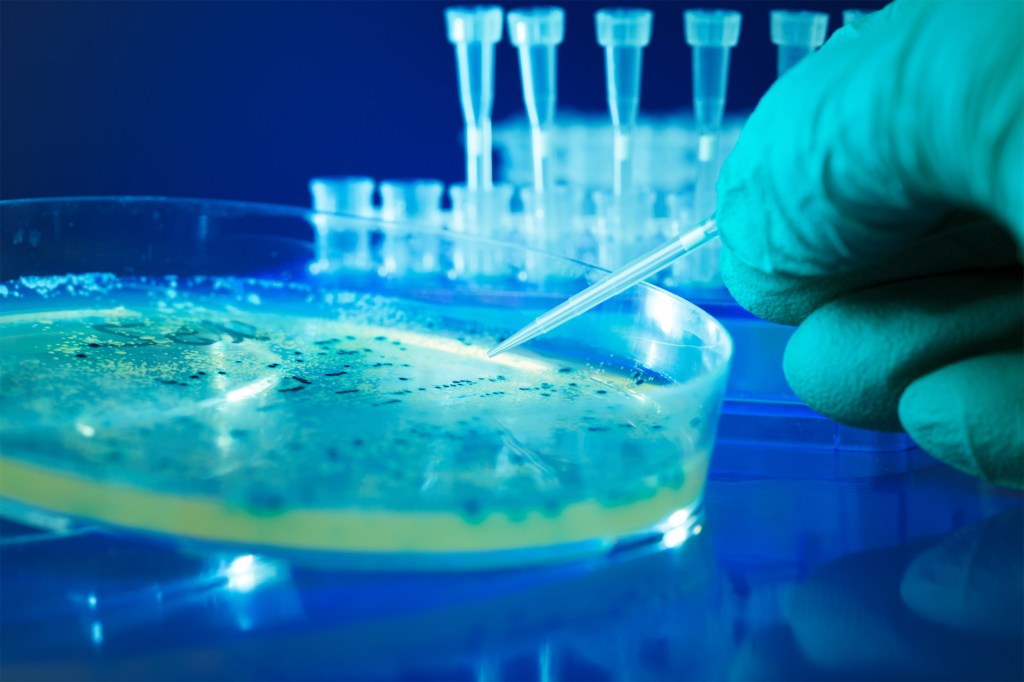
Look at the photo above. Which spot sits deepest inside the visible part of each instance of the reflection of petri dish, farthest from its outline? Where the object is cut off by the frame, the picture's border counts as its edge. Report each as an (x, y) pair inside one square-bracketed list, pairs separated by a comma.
[(346, 414)]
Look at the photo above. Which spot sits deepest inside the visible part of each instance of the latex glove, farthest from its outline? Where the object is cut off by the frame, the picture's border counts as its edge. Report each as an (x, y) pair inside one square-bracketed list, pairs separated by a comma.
[(876, 198)]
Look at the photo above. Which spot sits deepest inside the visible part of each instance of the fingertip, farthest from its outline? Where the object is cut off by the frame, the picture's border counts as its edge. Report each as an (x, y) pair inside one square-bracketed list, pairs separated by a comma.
[(840, 365), (969, 415)]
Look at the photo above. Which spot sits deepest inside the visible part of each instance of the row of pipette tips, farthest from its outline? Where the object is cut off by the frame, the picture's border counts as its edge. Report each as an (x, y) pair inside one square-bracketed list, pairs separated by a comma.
[(623, 33)]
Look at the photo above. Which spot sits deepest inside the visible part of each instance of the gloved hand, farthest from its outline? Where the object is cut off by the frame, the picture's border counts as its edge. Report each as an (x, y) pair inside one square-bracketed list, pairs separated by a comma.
[(876, 199)]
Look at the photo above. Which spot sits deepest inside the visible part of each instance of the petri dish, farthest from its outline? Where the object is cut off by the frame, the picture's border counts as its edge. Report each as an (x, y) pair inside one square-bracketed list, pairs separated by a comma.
[(249, 376)]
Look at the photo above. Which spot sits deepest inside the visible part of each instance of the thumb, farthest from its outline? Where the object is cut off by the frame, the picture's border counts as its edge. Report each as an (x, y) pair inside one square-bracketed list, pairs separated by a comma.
[(863, 146)]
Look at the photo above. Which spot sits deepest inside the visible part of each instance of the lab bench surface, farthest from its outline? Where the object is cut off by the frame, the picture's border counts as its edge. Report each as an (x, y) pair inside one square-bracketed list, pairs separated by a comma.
[(898, 568)]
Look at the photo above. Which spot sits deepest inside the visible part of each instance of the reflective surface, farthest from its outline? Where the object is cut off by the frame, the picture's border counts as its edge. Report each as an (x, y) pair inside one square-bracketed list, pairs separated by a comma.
[(908, 576)]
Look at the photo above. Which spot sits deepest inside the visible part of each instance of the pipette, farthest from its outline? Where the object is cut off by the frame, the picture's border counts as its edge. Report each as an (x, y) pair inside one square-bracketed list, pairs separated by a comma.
[(474, 31), (623, 33), (632, 273), (711, 34), (797, 34), (536, 32)]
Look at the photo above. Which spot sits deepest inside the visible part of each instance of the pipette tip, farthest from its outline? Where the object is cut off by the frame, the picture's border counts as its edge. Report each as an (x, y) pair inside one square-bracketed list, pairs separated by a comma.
[(508, 344)]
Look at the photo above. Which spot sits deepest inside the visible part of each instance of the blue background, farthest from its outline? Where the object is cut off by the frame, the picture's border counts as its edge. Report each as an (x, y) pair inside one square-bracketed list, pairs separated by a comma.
[(248, 100)]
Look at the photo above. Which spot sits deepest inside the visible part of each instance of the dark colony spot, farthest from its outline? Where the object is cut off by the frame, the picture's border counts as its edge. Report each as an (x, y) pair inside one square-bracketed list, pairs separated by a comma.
[(348, 390), (273, 366), (262, 500), (222, 373), (472, 508), (597, 428), (290, 390), (299, 379), (600, 391), (193, 376), (380, 338), (94, 345), (80, 355), (334, 374), (564, 370), (387, 402), (403, 378)]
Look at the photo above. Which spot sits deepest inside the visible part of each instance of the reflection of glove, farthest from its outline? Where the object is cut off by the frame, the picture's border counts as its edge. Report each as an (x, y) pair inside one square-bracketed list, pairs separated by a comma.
[(876, 198), (952, 609)]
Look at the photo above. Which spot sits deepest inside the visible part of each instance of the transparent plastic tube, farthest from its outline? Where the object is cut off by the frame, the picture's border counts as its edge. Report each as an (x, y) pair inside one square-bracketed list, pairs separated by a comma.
[(536, 33), (411, 201), (350, 195), (711, 35), (474, 31), (797, 34), (623, 33), (345, 195), (614, 283)]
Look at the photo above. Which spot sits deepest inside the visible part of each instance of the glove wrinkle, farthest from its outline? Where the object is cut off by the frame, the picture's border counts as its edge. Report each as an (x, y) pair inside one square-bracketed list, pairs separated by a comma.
[(863, 146), (965, 243)]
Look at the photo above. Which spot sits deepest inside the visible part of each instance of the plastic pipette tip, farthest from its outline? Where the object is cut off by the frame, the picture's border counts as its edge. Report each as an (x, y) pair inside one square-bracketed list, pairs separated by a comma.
[(536, 26), (511, 342), (479, 24), (536, 32), (799, 28), (621, 27), (628, 275), (712, 27)]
